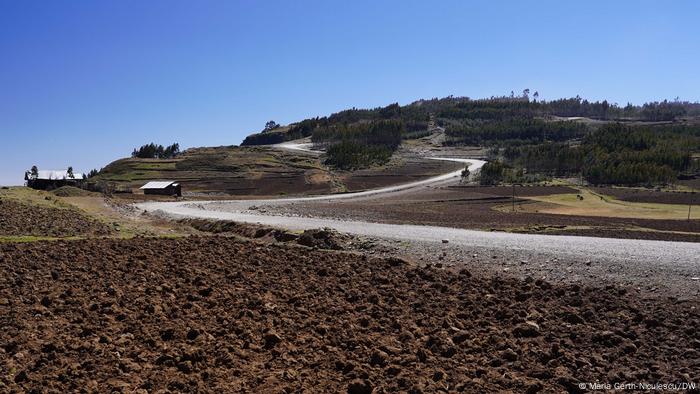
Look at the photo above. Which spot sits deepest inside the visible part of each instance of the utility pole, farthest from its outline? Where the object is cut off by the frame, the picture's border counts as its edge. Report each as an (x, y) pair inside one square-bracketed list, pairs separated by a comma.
[(689, 205)]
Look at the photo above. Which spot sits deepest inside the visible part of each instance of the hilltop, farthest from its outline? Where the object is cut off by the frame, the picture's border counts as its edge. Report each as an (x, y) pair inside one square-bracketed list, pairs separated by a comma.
[(454, 113), (528, 139)]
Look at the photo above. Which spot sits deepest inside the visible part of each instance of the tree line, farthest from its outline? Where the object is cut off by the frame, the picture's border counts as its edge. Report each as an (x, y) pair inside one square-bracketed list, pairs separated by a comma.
[(359, 145), (620, 154), (612, 154), (512, 130), (459, 113), (153, 151)]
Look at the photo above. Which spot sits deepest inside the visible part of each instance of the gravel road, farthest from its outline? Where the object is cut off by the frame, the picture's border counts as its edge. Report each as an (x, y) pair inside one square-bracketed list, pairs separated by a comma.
[(631, 260), (672, 254)]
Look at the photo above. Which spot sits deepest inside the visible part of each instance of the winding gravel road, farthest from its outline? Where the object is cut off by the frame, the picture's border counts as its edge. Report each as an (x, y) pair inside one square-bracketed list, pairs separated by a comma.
[(675, 256)]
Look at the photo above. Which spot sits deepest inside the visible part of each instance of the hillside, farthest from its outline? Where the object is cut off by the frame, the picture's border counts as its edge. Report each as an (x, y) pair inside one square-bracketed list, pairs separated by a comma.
[(455, 113), (528, 139), (263, 171), (232, 170)]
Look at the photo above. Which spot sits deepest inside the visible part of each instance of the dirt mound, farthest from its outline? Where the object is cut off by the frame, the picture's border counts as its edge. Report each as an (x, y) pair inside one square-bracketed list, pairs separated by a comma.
[(71, 191), (316, 238), (17, 219), (214, 314), (325, 238)]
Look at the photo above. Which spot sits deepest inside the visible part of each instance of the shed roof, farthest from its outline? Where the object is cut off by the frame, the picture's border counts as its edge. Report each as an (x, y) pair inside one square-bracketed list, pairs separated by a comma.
[(58, 175), (158, 185)]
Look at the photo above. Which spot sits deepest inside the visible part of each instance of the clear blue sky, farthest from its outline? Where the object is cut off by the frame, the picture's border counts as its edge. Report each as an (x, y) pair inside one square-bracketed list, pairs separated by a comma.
[(84, 82)]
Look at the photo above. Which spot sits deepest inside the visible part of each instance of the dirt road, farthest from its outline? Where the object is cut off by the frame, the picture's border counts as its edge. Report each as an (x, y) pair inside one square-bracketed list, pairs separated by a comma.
[(678, 261), (673, 254)]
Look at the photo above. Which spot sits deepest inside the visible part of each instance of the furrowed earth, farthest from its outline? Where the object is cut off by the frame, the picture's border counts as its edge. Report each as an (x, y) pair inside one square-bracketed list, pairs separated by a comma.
[(222, 314), (21, 219)]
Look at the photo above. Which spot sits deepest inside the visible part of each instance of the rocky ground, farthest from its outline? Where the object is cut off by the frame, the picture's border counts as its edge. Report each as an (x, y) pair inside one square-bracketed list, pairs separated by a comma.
[(220, 314), (22, 219)]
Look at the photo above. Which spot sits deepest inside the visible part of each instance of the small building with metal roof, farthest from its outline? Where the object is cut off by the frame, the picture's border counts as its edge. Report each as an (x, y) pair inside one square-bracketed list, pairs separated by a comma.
[(164, 188), (53, 179)]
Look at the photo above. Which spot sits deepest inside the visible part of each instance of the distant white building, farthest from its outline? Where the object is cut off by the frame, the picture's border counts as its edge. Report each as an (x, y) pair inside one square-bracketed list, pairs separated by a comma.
[(52, 179), (59, 175)]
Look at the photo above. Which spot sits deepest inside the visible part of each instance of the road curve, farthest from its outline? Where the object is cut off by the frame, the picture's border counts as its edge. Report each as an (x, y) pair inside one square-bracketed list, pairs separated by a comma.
[(659, 253)]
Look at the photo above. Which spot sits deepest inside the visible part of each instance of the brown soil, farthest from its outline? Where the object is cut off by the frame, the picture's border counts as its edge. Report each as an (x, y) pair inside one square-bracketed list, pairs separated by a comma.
[(316, 238), (18, 218), (507, 191), (472, 208), (214, 314), (650, 196)]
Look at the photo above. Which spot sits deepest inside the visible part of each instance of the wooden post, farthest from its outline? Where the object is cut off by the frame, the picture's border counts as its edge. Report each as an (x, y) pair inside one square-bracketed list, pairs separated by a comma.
[(514, 197)]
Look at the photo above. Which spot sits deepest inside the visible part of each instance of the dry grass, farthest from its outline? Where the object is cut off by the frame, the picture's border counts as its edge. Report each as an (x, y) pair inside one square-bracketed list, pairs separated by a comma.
[(33, 197), (594, 204), (93, 206)]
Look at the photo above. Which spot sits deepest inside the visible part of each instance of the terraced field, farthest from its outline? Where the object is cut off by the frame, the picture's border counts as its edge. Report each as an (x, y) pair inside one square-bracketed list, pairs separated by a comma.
[(232, 170), (263, 171)]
